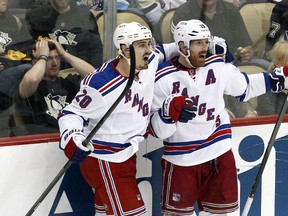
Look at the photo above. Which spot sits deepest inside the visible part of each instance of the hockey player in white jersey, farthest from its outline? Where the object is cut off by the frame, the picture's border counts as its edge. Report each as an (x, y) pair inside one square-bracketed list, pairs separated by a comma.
[(111, 167), (197, 163)]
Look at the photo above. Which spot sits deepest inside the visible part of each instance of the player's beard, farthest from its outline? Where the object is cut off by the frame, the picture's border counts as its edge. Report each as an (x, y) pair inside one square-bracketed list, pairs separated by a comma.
[(198, 60)]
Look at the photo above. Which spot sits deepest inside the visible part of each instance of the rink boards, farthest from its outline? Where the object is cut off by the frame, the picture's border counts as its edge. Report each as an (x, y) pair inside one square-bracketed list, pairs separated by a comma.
[(28, 165)]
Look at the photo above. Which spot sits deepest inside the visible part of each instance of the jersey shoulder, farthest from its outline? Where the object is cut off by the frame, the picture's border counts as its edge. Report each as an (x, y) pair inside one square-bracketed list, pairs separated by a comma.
[(105, 75), (210, 59), (165, 69)]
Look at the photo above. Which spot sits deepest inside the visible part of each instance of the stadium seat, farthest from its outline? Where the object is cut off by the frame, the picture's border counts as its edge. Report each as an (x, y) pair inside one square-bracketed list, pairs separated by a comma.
[(19, 12), (65, 72), (256, 17), (165, 26)]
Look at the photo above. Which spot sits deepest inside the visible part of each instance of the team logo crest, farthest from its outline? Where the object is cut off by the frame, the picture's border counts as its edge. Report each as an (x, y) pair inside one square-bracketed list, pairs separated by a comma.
[(4, 41), (176, 197), (139, 197)]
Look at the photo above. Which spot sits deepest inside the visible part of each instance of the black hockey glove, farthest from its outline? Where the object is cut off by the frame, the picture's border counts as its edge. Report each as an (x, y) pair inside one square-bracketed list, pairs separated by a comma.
[(277, 79)]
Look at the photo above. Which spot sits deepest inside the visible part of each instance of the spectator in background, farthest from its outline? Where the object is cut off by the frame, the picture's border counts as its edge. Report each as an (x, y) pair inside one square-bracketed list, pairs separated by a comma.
[(10, 31), (42, 93), (154, 9), (168, 4), (9, 81), (97, 6), (223, 20), (271, 104), (21, 3), (278, 26), (9, 23), (73, 26), (11, 71)]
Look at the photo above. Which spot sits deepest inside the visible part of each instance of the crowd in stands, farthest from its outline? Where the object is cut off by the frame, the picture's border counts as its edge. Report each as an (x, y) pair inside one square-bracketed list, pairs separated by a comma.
[(52, 36)]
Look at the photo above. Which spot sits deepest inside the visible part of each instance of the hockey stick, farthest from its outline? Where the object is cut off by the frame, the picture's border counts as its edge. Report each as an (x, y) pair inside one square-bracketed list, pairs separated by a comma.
[(265, 158), (92, 133)]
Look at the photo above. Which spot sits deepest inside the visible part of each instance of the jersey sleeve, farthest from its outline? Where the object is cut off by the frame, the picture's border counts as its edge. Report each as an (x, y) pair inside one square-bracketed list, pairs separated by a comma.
[(244, 86), (68, 125), (166, 51), (160, 127), (87, 104)]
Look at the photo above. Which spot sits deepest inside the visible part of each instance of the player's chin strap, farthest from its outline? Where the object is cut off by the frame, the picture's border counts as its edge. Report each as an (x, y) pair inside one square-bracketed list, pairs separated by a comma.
[(128, 60), (120, 52), (187, 57)]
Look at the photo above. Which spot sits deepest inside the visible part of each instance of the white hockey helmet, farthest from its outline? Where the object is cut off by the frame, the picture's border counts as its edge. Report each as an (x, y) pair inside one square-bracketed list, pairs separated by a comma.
[(127, 33), (190, 30)]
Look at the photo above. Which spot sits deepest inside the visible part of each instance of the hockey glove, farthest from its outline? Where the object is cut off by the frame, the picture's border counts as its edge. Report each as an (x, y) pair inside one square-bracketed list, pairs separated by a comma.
[(218, 46), (178, 108), (277, 79), (75, 150)]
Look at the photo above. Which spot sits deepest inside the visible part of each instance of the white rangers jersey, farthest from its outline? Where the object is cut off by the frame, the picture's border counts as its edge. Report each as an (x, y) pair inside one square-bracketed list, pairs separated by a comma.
[(118, 138), (208, 135)]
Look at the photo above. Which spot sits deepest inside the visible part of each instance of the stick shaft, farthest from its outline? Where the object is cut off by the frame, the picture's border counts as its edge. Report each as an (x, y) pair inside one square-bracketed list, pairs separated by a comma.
[(49, 188), (247, 206), (265, 157)]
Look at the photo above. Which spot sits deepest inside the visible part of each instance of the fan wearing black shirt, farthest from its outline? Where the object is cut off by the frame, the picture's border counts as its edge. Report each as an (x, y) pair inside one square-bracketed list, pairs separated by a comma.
[(42, 93), (278, 26)]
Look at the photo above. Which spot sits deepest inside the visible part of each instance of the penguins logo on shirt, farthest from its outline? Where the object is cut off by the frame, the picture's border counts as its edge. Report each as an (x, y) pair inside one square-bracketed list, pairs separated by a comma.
[(4, 41), (64, 37), (55, 104)]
